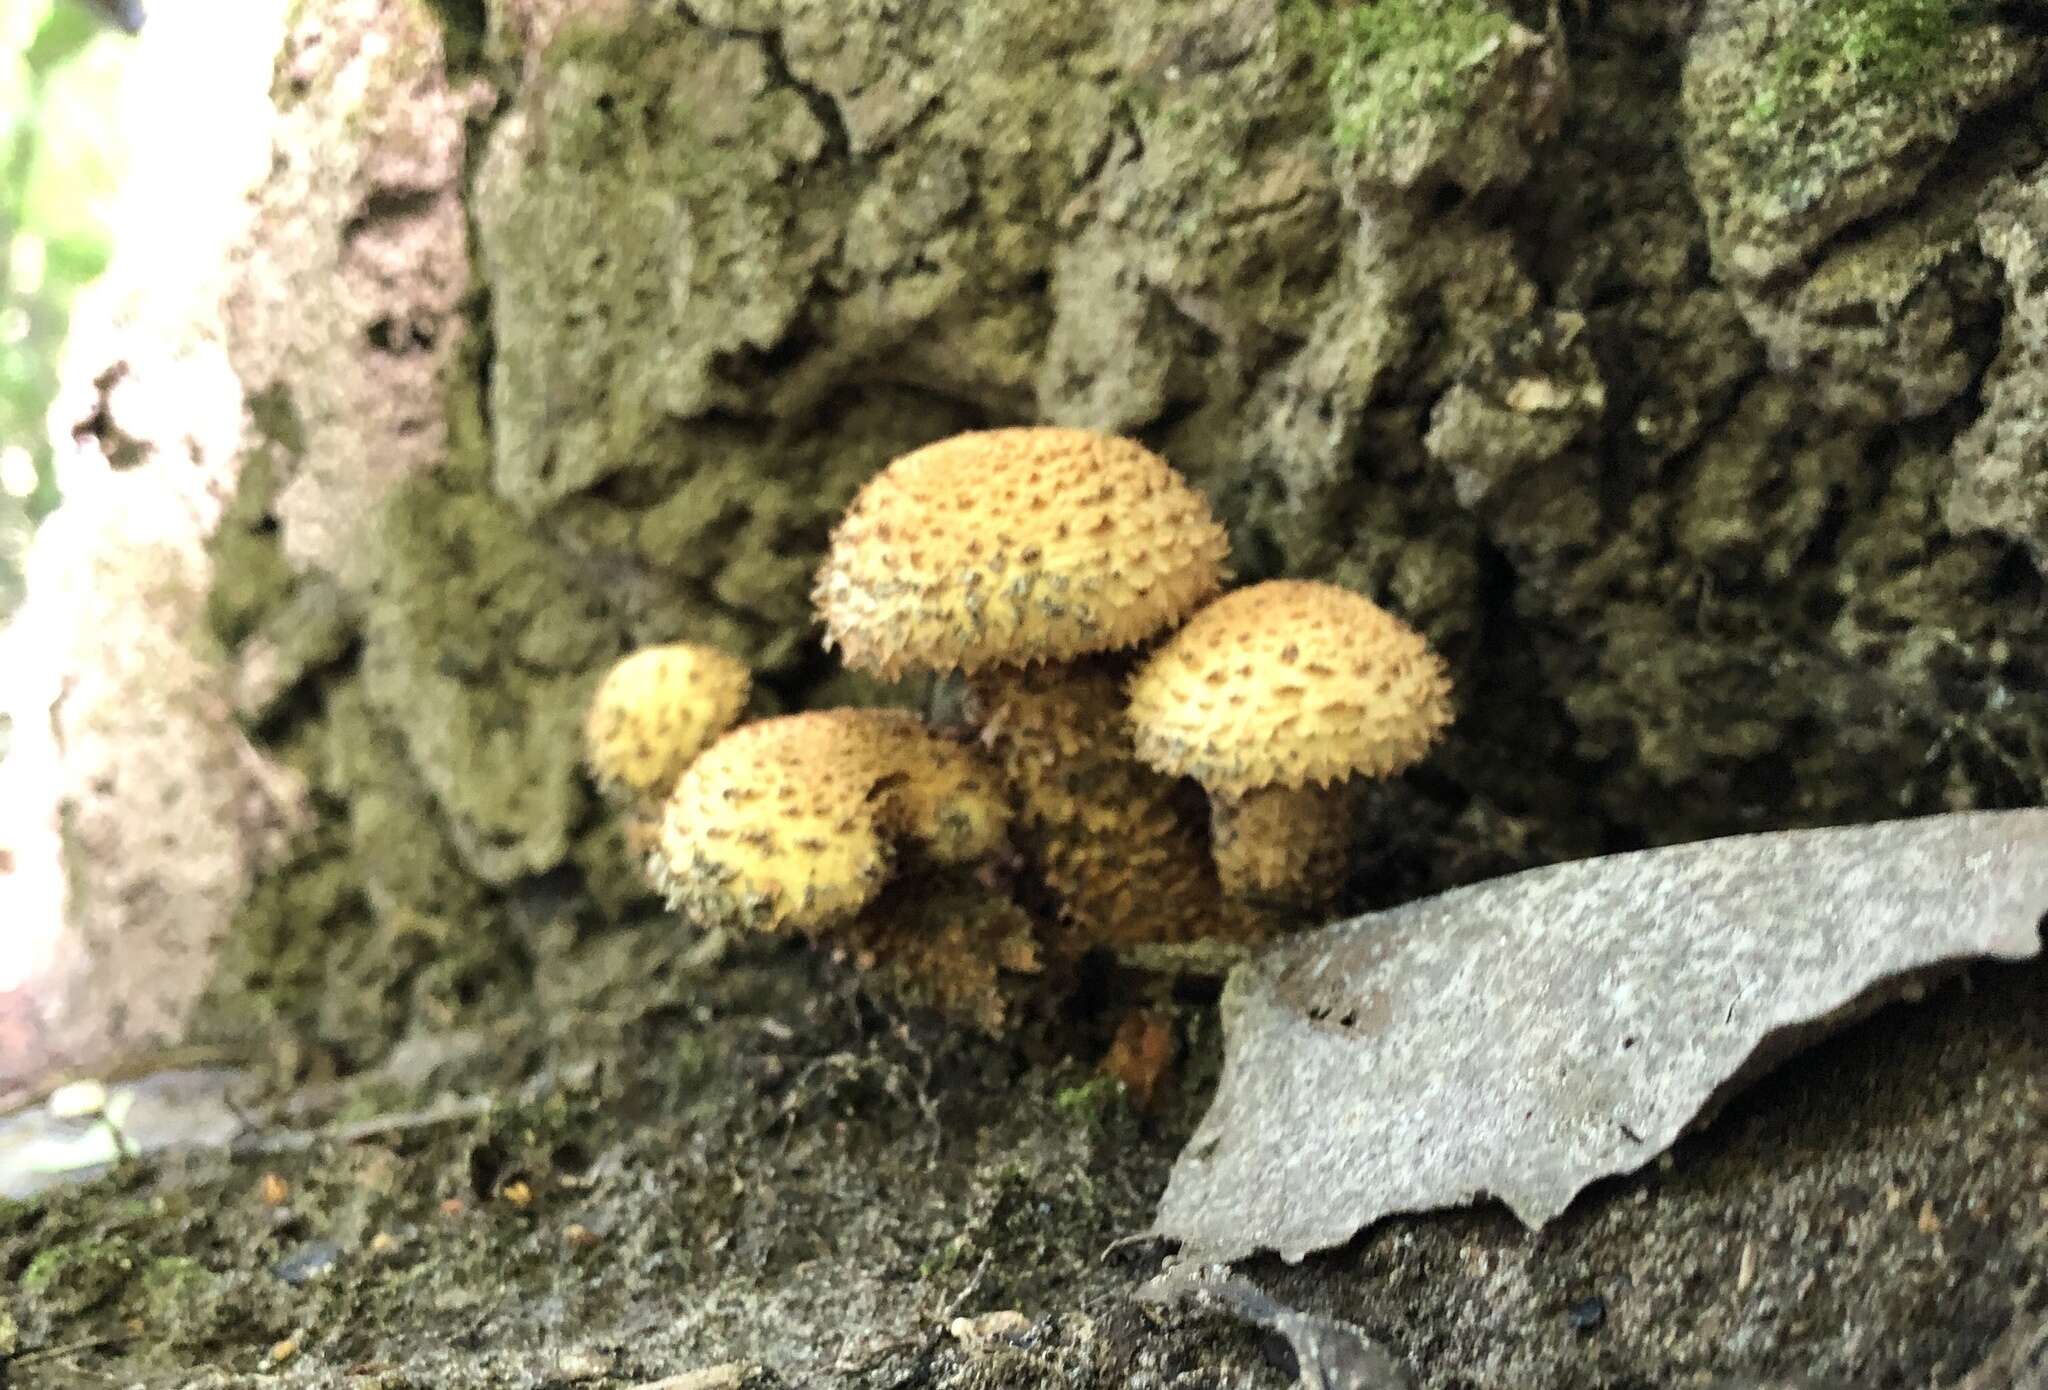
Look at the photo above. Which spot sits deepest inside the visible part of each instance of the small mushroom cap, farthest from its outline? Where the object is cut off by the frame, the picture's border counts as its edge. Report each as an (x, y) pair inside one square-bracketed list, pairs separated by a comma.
[(789, 823), (1006, 547), (655, 711), (1289, 683)]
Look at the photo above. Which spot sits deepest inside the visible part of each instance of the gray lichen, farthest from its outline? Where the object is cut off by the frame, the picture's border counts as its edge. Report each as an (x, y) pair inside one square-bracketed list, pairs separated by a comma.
[(2000, 484)]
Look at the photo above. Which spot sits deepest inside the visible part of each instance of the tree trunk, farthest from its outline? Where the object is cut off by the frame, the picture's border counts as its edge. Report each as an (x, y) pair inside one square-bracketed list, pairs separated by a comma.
[(1678, 369)]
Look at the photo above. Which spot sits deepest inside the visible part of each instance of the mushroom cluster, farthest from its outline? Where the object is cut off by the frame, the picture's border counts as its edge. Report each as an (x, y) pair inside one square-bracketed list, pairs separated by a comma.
[(1074, 582), (1034, 562), (801, 824)]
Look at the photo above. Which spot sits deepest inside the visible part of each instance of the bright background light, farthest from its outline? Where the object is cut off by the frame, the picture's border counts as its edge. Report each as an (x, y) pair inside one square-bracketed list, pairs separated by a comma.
[(139, 149)]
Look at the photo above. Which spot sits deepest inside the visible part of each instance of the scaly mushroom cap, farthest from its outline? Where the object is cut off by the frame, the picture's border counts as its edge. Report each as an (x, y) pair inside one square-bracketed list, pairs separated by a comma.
[(1289, 683), (655, 711), (1006, 547), (787, 824)]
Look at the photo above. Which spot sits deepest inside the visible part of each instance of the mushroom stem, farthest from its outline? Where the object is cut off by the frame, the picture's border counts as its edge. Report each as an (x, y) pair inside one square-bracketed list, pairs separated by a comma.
[(1282, 846), (1107, 834), (938, 936)]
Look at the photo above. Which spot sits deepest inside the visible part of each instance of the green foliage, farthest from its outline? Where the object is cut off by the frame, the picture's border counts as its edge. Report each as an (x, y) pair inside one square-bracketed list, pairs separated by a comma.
[(1386, 64), (58, 66)]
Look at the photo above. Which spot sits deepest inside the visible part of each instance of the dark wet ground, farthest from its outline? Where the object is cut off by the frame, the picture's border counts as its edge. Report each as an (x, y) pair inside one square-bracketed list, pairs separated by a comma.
[(767, 1171)]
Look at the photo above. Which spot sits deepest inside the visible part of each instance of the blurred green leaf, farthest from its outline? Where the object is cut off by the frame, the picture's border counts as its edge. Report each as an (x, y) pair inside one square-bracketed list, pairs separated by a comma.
[(20, 22), (76, 260), (63, 35), (60, 156)]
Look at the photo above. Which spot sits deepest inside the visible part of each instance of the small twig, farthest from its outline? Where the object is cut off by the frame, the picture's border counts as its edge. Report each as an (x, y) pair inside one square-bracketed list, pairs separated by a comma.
[(398, 1122), (959, 1300), (105, 1339)]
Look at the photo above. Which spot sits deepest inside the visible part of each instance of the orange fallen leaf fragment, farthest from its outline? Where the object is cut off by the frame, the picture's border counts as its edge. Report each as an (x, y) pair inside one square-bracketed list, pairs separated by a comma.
[(1142, 1055)]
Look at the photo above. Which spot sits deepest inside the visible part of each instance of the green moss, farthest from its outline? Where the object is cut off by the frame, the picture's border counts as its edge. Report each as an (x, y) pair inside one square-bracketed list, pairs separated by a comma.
[(178, 1300), (251, 576), (1389, 65), (480, 648), (1091, 1098), (274, 977), (276, 417), (462, 388), (80, 1275), (252, 582), (1844, 52), (175, 1277)]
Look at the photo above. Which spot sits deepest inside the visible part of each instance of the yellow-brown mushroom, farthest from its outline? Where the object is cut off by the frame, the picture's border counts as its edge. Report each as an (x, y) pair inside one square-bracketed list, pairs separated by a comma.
[(654, 712), (1032, 560), (1001, 548), (795, 823), (1273, 698), (806, 824)]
